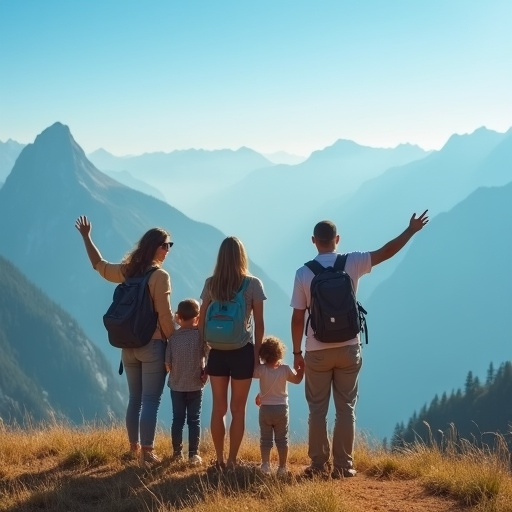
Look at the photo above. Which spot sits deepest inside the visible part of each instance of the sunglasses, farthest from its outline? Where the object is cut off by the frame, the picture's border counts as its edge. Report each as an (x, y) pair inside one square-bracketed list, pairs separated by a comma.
[(167, 245)]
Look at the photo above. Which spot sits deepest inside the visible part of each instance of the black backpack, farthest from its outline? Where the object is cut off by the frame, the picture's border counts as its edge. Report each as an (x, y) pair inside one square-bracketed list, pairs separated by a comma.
[(131, 318), (334, 312)]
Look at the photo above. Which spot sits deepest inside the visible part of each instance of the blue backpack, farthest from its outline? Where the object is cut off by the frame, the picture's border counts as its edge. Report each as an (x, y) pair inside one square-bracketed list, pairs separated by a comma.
[(224, 327), (131, 319)]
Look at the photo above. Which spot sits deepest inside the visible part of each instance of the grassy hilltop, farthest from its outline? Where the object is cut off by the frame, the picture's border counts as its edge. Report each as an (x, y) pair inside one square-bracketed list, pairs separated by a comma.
[(60, 468)]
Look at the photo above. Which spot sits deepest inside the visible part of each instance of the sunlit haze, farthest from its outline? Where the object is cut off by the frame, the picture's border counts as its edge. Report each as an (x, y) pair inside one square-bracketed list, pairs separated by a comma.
[(290, 75)]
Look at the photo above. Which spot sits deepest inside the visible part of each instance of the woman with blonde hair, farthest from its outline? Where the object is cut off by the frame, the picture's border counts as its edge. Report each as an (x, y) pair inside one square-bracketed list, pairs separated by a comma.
[(232, 368), (144, 366)]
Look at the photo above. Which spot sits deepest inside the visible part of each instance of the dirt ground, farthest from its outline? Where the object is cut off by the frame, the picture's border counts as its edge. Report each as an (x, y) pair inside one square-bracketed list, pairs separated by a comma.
[(370, 495)]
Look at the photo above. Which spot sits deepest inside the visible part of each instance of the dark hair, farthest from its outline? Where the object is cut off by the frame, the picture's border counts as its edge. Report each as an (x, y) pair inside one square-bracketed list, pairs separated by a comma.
[(272, 349), (140, 259), (188, 309), (325, 231)]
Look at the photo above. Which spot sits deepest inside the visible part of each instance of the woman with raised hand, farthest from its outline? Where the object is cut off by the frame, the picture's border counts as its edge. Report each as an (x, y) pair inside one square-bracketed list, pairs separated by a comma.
[(231, 362), (144, 366)]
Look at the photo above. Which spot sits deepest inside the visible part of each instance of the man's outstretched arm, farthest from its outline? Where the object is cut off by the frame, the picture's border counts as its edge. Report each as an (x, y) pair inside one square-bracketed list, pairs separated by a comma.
[(392, 247)]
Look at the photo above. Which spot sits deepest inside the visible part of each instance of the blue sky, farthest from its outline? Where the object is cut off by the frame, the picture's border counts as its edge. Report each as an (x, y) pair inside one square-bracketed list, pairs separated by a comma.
[(159, 75)]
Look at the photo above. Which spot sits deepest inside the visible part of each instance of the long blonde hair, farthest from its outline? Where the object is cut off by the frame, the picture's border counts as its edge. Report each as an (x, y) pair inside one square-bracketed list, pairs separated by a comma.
[(230, 269)]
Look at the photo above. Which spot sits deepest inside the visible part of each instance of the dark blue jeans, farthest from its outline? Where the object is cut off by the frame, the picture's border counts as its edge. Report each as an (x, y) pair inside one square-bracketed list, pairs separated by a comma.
[(186, 404)]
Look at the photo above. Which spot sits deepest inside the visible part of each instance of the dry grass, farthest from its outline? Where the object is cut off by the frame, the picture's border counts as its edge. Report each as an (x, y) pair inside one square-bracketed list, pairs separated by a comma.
[(61, 468)]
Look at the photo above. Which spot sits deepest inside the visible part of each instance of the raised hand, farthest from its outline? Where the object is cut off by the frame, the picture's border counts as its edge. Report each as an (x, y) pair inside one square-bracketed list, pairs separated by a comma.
[(416, 224), (83, 225)]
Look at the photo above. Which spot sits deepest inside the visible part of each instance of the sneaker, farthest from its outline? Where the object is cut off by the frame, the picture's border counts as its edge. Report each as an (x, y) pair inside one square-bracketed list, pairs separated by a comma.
[(176, 457), (149, 458), (316, 472), (265, 468), (282, 472), (195, 460), (338, 473)]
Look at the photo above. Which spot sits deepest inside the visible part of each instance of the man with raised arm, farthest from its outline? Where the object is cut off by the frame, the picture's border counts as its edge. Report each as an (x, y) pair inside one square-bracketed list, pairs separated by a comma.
[(334, 365)]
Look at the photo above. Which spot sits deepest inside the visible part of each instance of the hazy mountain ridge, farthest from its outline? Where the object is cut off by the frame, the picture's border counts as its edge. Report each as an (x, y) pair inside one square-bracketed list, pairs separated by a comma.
[(282, 157), (445, 309), (185, 177), (48, 367), (378, 211), (284, 200), (127, 179), (9, 151)]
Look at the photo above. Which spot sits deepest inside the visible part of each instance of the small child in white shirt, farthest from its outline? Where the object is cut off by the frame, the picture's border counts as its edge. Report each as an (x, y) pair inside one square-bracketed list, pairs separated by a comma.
[(273, 402)]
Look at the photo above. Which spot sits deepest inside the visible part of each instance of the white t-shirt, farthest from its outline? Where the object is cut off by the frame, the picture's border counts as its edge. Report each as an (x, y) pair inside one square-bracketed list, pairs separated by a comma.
[(358, 264), (273, 383)]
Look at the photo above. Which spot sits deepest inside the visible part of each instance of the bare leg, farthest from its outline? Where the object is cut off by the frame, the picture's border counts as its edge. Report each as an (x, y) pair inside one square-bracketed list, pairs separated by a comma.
[(219, 387), (239, 394)]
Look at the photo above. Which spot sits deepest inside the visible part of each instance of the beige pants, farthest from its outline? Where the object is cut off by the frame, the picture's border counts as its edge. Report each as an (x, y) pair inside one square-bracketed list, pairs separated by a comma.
[(336, 369)]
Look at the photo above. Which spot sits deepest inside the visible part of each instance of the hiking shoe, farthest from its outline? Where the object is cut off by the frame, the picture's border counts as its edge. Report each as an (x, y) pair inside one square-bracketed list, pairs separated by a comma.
[(338, 473), (176, 457), (134, 450), (282, 472), (149, 458), (316, 472), (195, 460), (265, 468)]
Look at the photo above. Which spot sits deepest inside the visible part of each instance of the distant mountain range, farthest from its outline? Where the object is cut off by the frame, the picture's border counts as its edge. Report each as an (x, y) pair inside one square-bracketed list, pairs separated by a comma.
[(284, 201), (185, 177), (378, 210), (225, 183), (49, 368)]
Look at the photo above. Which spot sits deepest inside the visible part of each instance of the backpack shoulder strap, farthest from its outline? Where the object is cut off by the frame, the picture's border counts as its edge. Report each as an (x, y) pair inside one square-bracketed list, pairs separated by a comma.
[(339, 264), (243, 286), (315, 267), (147, 275), (143, 277)]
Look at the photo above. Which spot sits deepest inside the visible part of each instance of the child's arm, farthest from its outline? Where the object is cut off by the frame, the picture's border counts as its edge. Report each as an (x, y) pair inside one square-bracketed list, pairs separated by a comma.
[(295, 376)]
